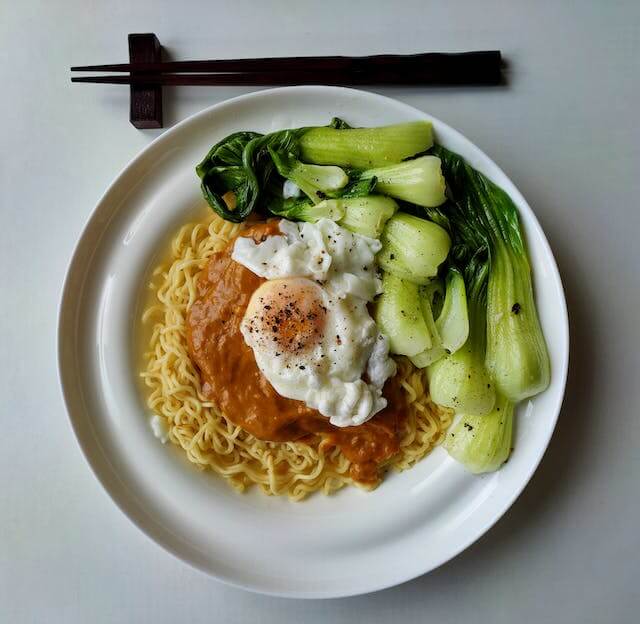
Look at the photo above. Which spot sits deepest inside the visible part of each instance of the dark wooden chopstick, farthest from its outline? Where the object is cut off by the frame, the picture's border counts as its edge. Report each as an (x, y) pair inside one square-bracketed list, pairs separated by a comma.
[(482, 62), (146, 74), (296, 78)]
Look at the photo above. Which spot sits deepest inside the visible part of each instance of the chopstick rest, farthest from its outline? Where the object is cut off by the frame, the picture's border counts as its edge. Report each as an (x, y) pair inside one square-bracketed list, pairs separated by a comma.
[(145, 109)]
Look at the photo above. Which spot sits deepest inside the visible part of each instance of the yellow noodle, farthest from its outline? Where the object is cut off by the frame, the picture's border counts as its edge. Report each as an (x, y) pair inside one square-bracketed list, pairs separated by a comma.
[(295, 469)]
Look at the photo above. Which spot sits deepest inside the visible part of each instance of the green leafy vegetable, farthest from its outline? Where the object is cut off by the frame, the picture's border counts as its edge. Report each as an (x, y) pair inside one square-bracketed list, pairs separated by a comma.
[(413, 248), (303, 209), (483, 443), (451, 329), (362, 215), (222, 170), (358, 188), (362, 148), (398, 314), (517, 356), (435, 351), (315, 181), (366, 215), (418, 181), (242, 163), (460, 380), (484, 216), (339, 124), (453, 322)]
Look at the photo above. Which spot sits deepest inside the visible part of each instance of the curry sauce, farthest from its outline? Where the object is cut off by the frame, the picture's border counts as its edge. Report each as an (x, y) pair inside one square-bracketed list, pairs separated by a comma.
[(233, 381)]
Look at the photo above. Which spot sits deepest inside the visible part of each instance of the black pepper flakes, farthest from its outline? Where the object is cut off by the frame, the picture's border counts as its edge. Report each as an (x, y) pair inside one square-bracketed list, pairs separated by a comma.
[(515, 308)]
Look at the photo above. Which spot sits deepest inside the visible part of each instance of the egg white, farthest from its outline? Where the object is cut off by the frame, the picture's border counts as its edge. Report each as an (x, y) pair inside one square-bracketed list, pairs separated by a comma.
[(325, 341)]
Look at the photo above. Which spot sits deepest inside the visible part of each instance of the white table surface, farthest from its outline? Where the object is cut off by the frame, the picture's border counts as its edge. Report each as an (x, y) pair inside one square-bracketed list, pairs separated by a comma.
[(565, 131)]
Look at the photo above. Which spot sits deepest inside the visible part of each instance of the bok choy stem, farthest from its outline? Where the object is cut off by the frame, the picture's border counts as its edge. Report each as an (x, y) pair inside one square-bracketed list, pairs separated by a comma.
[(483, 443)]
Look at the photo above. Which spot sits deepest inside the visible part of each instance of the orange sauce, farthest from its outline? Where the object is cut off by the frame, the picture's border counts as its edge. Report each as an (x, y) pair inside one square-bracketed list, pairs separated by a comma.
[(232, 380)]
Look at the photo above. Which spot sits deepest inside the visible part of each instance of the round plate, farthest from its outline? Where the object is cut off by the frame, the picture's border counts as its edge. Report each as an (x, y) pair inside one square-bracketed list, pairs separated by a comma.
[(350, 543)]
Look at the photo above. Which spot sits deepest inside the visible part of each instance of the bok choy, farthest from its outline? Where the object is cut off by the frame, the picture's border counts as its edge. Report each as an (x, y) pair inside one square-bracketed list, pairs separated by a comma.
[(398, 314), (453, 322), (484, 216), (460, 380), (413, 248), (252, 165), (362, 215), (361, 148), (241, 163), (435, 350), (483, 443), (451, 329), (315, 181), (365, 215), (418, 181), (303, 209)]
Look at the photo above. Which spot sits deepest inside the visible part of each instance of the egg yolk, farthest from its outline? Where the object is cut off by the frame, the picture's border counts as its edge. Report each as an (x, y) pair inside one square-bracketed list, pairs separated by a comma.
[(287, 315)]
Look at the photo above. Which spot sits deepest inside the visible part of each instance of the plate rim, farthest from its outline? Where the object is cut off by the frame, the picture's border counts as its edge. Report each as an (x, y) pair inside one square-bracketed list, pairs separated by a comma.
[(120, 501)]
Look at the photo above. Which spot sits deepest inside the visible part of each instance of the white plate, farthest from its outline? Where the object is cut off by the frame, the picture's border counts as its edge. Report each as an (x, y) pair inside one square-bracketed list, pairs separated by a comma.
[(350, 543)]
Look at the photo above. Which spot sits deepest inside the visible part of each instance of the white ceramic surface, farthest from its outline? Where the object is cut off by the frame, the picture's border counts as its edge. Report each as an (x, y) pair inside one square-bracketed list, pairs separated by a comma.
[(351, 543)]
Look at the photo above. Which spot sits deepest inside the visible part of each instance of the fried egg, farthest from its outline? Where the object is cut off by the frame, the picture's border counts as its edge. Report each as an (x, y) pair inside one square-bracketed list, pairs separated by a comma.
[(308, 325)]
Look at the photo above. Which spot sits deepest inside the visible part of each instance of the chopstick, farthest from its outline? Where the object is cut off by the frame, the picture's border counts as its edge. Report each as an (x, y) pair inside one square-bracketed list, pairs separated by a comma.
[(482, 61), (467, 68), (289, 78)]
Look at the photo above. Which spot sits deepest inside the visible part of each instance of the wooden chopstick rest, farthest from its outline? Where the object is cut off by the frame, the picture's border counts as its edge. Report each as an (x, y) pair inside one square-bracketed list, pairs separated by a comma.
[(146, 100)]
